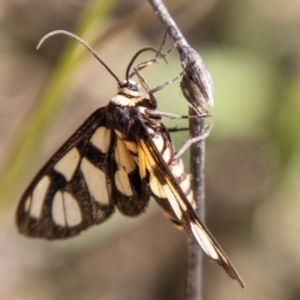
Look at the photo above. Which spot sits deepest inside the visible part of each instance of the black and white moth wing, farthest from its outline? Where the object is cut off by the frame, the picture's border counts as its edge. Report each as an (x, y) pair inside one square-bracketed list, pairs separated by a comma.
[(171, 198), (73, 190)]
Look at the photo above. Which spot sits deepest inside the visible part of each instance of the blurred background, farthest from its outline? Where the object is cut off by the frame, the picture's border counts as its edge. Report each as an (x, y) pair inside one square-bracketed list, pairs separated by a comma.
[(252, 49)]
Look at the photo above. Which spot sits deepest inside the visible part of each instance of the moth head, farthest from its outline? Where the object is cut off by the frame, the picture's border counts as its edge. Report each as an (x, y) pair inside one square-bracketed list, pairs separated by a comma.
[(129, 88), (128, 94)]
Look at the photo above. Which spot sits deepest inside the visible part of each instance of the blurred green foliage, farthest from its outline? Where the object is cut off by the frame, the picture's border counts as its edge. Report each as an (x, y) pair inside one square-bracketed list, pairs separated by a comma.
[(252, 50), (50, 100)]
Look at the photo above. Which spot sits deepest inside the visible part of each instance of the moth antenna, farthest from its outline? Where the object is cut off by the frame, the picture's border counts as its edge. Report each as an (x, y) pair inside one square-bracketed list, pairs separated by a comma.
[(82, 42), (135, 56)]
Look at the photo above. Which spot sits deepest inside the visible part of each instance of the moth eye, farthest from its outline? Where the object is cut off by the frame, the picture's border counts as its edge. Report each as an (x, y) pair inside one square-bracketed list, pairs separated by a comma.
[(134, 87)]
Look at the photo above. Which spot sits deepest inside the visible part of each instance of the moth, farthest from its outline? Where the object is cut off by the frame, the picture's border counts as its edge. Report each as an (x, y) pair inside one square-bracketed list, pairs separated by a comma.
[(119, 157)]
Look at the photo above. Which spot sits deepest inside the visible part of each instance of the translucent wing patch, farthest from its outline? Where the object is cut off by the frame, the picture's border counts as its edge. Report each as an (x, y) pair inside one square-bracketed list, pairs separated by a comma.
[(73, 190)]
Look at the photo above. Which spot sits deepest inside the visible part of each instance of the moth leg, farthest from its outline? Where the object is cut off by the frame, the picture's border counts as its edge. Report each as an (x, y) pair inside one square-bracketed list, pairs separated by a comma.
[(150, 92), (157, 57), (146, 86), (167, 83), (156, 113), (192, 140), (163, 41), (176, 129)]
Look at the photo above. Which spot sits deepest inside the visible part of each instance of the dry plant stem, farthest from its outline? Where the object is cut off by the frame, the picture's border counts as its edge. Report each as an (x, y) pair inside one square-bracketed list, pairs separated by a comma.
[(187, 55), (194, 282), (169, 24), (196, 83)]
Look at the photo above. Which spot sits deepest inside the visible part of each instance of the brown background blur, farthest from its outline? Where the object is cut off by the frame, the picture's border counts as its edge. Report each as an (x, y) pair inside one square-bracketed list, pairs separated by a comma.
[(252, 49)]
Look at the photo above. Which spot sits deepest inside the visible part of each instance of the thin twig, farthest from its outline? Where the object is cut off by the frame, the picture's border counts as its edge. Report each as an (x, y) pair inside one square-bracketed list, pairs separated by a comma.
[(194, 280), (196, 86)]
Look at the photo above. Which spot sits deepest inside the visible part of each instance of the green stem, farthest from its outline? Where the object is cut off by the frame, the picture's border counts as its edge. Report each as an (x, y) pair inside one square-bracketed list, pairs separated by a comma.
[(50, 101)]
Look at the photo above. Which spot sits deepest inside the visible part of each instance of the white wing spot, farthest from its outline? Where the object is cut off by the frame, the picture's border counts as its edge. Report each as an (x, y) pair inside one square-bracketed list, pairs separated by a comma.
[(27, 204), (173, 201), (72, 210), (156, 188), (150, 131), (123, 158), (96, 182), (159, 142), (65, 210), (101, 139), (122, 182), (177, 196), (167, 155), (67, 165), (58, 210), (38, 197), (203, 241)]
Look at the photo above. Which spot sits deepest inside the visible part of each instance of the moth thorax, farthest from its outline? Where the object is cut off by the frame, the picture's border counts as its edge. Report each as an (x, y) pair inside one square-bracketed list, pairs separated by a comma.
[(125, 101), (128, 94)]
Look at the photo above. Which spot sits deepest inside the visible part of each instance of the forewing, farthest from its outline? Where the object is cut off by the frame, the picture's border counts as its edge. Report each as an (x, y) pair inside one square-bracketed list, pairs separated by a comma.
[(73, 190), (169, 195)]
